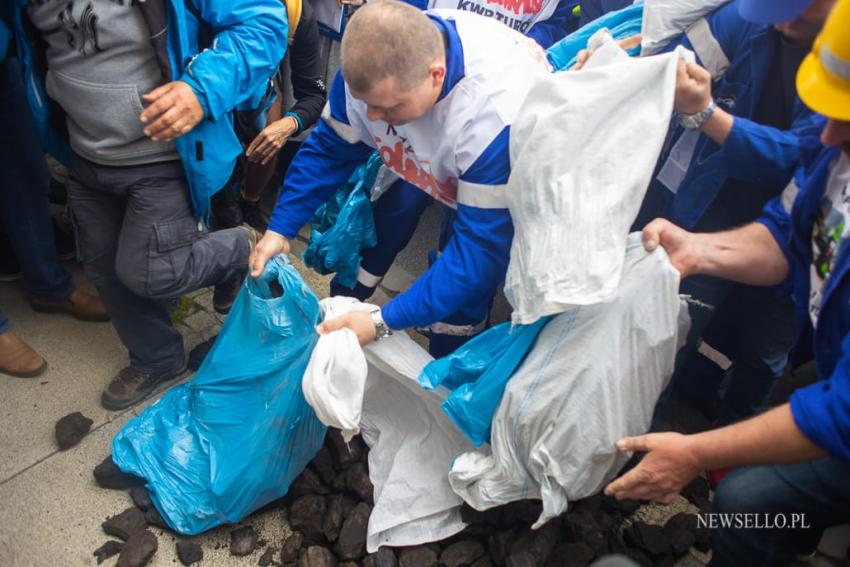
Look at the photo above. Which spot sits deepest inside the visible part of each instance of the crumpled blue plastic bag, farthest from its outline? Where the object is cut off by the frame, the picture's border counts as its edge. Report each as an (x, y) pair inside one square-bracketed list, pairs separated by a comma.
[(477, 374), (231, 440), (344, 226), (622, 24)]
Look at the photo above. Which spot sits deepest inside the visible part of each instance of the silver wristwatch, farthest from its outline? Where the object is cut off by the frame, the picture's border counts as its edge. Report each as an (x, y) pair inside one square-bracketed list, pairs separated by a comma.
[(694, 121), (381, 329)]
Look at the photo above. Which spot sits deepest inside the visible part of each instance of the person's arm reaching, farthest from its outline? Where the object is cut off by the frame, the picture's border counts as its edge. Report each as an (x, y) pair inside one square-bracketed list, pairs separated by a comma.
[(472, 265), (673, 459), (325, 161)]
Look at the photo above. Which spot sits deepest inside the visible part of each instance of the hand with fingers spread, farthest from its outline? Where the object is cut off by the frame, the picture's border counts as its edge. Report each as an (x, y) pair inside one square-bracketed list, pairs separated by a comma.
[(681, 246), (173, 110), (669, 464), (625, 44), (269, 246), (693, 88), (269, 142), (358, 321)]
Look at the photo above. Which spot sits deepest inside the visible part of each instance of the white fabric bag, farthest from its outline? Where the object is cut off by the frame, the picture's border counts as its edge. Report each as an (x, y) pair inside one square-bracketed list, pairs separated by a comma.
[(593, 377), (583, 150), (335, 378), (664, 20), (412, 442)]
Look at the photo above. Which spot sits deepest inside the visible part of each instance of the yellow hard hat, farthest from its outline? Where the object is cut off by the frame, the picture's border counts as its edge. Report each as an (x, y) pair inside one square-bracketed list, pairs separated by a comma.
[(823, 81)]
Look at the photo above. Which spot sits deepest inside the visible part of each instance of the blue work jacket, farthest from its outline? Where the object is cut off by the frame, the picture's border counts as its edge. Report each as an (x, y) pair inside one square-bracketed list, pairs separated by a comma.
[(225, 51)]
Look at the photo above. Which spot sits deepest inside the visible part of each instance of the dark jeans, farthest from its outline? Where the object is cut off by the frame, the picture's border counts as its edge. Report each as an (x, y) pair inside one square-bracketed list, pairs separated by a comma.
[(767, 327), (141, 245), (4, 322), (756, 328), (818, 489), (24, 207)]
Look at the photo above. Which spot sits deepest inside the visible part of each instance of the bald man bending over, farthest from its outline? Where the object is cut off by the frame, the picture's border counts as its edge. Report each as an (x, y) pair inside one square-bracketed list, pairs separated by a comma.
[(436, 93)]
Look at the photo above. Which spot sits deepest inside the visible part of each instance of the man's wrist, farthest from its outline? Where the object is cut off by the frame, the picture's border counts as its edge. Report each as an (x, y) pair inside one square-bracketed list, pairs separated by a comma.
[(382, 331), (697, 119)]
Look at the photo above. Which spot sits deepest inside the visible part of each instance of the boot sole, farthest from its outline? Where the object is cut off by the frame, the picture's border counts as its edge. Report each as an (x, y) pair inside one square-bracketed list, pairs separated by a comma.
[(29, 374), (47, 309), (115, 405)]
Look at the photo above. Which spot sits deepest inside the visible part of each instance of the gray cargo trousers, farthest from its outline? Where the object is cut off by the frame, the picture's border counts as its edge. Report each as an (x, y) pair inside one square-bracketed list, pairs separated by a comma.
[(140, 245)]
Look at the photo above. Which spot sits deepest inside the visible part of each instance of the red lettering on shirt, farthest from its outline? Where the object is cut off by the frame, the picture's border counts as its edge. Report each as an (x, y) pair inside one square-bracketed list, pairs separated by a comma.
[(519, 6), (398, 158)]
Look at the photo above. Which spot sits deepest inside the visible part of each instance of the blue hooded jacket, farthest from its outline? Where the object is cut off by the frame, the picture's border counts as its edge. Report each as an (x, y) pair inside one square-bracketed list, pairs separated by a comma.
[(757, 159), (225, 51), (821, 410)]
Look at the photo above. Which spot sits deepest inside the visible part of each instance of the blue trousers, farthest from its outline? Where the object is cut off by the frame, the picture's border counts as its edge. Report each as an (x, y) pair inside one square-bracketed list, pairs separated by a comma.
[(24, 206), (818, 489), (397, 215)]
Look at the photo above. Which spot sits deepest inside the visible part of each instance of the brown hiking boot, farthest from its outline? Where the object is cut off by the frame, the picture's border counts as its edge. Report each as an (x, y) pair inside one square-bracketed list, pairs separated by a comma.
[(17, 358), (131, 386), (81, 305)]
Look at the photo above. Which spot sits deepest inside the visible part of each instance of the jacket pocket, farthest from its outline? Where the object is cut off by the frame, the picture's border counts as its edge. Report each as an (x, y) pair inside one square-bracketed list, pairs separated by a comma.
[(102, 118)]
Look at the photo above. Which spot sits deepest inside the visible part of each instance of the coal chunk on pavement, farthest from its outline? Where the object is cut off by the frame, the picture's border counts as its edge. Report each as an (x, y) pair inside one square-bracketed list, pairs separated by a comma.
[(648, 537), (384, 557), (108, 475), (461, 553), (107, 550), (138, 550), (126, 524), (323, 464), (155, 519), (352, 537), (420, 556), (571, 555), (141, 498), (317, 556), (291, 547), (243, 541), (681, 531), (307, 515), (307, 482), (357, 482), (188, 552), (71, 429), (334, 517), (344, 453), (267, 558)]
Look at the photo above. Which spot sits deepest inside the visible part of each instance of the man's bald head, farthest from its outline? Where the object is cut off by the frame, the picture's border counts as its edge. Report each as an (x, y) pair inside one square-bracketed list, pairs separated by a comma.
[(389, 39)]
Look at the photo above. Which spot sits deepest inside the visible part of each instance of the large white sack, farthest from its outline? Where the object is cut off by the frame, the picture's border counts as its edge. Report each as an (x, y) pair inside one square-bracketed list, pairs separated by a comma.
[(375, 390), (583, 150), (593, 377), (664, 20)]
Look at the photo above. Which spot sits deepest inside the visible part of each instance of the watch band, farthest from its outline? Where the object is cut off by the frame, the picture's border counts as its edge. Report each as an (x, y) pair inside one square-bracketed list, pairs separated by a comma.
[(381, 329), (694, 121)]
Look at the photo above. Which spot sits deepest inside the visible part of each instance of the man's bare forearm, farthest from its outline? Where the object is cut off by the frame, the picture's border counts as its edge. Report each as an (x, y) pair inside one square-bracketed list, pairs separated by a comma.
[(770, 438), (748, 254)]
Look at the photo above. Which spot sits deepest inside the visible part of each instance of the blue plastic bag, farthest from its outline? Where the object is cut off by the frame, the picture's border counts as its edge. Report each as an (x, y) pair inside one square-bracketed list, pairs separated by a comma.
[(622, 24), (344, 226), (477, 374), (228, 442)]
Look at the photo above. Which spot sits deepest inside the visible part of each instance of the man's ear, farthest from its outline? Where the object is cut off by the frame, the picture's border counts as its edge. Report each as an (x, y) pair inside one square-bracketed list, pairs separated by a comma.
[(437, 72)]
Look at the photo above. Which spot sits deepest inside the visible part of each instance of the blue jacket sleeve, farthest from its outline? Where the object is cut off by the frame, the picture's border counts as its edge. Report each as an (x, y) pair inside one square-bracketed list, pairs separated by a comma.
[(250, 40), (324, 162), (476, 258), (822, 410), (763, 154), (547, 32)]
